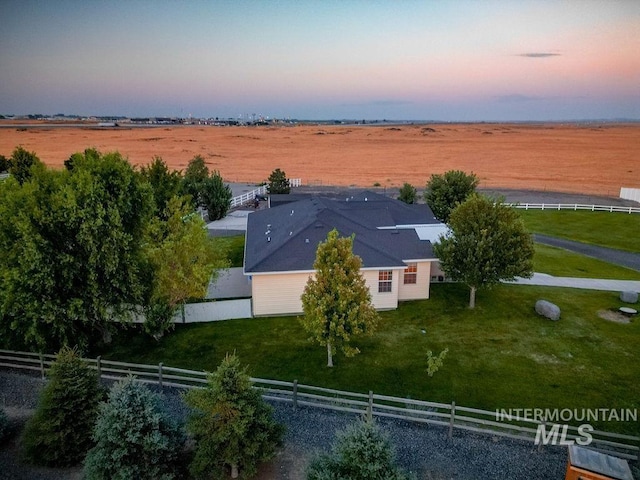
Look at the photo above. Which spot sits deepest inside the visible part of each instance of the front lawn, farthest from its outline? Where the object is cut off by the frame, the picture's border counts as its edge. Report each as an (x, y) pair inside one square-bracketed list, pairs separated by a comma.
[(501, 355)]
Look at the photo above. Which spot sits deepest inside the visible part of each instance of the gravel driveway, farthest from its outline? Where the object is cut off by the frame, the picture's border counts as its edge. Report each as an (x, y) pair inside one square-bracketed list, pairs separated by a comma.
[(424, 450)]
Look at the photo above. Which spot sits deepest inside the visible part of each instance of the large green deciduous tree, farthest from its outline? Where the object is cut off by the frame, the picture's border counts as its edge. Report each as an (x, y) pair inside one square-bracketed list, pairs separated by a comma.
[(59, 433), (135, 437), (164, 183), (195, 176), (184, 260), (21, 164), (278, 182), (216, 196), (445, 191), (488, 243), (232, 425), (72, 258), (336, 300)]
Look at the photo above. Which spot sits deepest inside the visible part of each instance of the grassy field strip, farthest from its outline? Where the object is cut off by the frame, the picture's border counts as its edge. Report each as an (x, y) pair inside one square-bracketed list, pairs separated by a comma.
[(613, 230), (563, 263)]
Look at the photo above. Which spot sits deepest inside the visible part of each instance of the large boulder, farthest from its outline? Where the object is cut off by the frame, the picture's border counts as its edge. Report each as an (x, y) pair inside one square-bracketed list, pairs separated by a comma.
[(629, 297), (548, 310)]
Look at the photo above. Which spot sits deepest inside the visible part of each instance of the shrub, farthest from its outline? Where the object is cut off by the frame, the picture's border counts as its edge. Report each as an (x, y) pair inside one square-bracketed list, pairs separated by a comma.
[(361, 452), (134, 437), (231, 424), (59, 433), (408, 193)]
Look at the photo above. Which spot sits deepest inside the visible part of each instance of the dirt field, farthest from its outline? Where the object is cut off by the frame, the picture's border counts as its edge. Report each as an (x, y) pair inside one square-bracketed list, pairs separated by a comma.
[(593, 159)]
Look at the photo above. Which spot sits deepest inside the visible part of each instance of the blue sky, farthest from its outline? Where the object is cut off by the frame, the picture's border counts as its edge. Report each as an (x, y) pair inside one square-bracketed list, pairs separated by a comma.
[(421, 60)]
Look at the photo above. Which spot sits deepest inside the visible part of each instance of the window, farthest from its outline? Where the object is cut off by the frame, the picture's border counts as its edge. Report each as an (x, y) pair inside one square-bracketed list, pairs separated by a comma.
[(385, 280), (411, 274)]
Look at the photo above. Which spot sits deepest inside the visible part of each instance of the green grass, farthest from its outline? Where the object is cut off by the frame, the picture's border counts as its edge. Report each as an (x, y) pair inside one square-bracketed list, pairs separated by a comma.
[(234, 247), (563, 263), (614, 230), (501, 355)]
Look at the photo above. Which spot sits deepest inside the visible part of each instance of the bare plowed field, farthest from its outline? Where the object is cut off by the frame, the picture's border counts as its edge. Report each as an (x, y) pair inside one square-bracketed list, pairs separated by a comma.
[(593, 159)]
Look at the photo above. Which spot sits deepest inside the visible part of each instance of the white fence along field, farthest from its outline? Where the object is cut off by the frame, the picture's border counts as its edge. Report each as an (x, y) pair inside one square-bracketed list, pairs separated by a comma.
[(449, 416), (630, 194), (262, 190), (575, 207)]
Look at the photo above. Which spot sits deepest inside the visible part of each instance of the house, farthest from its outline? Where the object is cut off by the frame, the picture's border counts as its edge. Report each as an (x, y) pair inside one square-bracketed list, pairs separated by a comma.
[(393, 239)]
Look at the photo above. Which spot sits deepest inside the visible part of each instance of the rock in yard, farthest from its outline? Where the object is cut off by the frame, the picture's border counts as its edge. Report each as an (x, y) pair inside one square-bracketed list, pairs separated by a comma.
[(548, 310), (629, 297)]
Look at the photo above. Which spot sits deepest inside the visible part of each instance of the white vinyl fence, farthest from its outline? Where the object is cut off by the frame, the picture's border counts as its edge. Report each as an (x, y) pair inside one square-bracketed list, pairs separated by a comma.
[(214, 311), (630, 194), (450, 416), (574, 206), (250, 196)]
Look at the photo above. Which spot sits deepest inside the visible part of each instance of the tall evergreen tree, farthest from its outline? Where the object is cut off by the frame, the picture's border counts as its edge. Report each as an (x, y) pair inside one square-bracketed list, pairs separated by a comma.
[(59, 433), (278, 182), (232, 425), (336, 300)]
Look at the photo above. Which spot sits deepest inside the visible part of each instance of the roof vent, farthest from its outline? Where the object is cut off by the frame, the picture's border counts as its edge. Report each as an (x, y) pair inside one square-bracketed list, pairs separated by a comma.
[(267, 232), (268, 226), (268, 239), (319, 225), (291, 212), (306, 240), (365, 199), (290, 233)]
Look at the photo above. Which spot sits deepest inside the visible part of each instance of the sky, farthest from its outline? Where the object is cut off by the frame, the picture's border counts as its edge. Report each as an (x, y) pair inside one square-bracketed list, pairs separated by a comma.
[(444, 60)]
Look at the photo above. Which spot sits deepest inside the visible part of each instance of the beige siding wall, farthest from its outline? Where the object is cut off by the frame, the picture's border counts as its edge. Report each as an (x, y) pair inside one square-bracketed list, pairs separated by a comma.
[(278, 294), (418, 290), (382, 301)]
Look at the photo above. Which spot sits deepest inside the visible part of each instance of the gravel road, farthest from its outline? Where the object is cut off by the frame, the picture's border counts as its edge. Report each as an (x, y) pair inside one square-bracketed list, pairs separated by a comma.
[(423, 450)]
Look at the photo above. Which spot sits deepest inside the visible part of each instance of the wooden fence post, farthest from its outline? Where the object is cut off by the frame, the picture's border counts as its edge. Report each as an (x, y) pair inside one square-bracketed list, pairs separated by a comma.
[(160, 375), (295, 394), (544, 424), (42, 366), (452, 419), (370, 407), (99, 366)]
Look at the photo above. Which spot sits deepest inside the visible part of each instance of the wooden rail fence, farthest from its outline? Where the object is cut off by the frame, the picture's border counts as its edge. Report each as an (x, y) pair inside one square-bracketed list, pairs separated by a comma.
[(450, 416)]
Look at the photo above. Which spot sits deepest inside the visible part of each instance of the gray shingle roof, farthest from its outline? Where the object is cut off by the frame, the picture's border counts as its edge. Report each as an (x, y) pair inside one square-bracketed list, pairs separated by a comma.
[(285, 238)]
